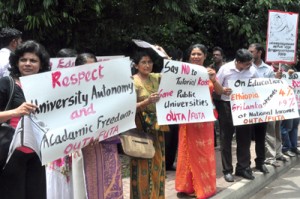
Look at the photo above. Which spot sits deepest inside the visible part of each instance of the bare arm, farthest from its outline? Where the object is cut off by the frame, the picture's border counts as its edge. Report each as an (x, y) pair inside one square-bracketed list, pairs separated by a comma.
[(23, 109), (217, 86), (153, 98)]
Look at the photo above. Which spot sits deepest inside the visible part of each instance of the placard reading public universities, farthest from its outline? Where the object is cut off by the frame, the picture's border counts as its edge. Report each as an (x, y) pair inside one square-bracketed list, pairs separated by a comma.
[(82, 104), (184, 94), (261, 100)]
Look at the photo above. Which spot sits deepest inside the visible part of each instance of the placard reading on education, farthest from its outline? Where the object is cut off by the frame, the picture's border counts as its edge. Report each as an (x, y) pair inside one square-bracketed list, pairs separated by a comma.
[(184, 94), (261, 100), (82, 104)]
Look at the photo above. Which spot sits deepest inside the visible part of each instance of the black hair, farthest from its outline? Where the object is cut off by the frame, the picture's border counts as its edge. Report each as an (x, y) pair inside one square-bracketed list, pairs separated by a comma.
[(217, 48), (259, 47), (139, 55), (29, 46), (9, 34), (176, 54), (66, 52), (243, 55), (192, 47), (82, 58)]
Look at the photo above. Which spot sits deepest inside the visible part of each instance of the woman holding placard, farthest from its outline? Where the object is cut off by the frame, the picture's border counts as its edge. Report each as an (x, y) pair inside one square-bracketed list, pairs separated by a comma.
[(196, 164), (24, 176), (147, 176)]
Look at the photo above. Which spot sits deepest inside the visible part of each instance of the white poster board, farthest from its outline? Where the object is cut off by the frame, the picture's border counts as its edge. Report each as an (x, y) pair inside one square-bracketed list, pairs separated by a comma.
[(294, 82), (81, 104), (184, 94), (144, 44), (261, 100), (67, 62), (282, 37)]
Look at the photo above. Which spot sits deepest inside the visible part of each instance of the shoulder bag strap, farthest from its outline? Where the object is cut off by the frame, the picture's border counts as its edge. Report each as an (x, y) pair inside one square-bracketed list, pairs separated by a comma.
[(144, 125), (11, 92)]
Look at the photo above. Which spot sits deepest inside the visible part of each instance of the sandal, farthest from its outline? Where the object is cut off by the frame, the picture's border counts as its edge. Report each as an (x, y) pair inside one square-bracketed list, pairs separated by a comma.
[(185, 195)]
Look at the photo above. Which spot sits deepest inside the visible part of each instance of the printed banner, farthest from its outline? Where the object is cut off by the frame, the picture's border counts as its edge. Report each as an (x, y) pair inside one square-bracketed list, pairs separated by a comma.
[(282, 37), (67, 62), (294, 82), (261, 100), (81, 104), (184, 94)]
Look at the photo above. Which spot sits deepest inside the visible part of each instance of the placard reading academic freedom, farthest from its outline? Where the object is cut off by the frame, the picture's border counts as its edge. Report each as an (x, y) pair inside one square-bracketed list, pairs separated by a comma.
[(82, 104)]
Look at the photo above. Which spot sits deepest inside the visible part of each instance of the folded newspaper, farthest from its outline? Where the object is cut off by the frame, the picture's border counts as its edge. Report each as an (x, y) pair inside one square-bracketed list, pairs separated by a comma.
[(29, 133)]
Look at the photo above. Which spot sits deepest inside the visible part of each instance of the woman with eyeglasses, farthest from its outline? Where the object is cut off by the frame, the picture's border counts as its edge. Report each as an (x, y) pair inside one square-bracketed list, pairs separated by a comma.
[(147, 176)]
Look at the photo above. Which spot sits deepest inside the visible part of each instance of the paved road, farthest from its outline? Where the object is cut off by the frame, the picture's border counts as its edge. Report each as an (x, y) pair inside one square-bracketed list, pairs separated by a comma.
[(286, 186)]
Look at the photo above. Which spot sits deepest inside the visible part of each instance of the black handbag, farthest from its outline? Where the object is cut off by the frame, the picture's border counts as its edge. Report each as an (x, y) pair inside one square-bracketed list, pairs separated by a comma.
[(6, 131)]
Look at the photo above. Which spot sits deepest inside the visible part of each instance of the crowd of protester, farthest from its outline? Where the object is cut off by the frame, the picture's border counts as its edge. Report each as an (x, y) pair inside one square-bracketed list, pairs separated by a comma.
[(94, 172)]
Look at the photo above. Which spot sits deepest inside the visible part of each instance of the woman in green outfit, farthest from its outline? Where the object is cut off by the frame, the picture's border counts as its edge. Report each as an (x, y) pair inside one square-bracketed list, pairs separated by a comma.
[(148, 175)]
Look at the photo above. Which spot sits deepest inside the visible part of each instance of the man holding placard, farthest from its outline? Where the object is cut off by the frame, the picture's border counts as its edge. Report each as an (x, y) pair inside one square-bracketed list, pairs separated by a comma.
[(259, 129), (240, 68)]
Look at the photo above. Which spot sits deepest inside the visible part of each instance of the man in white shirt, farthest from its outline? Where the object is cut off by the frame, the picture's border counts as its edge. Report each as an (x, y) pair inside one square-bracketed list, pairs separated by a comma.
[(10, 38), (259, 129), (240, 68)]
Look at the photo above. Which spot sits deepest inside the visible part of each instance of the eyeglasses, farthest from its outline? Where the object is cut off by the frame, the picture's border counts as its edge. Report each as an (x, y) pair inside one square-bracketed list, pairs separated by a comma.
[(146, 63)]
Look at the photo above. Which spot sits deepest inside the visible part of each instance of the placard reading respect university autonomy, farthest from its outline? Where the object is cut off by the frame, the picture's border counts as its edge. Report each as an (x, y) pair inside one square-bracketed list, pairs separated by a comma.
[(82, 104)]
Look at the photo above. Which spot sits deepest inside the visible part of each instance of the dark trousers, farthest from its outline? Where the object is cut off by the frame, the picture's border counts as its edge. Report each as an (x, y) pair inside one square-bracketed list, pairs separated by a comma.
[(171, 143), (289, 134), (23, 177), (243, 140), (259, 131), (218, 104)]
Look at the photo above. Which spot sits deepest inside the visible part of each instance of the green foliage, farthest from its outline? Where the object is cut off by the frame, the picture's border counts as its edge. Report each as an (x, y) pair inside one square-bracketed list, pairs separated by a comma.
[(108, 26)]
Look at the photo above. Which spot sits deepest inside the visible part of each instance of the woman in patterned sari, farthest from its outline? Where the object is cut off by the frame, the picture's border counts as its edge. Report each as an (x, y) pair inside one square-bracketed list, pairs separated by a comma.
[(196, 164), (101, 163), (147, 177)]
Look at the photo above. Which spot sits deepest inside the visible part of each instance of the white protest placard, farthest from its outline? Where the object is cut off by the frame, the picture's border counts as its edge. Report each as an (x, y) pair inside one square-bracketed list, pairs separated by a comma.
[(261, 100), (63, 62), (67, 62), (184, 94), (81, 104), (144, 44), (282, 37), (294, 82)]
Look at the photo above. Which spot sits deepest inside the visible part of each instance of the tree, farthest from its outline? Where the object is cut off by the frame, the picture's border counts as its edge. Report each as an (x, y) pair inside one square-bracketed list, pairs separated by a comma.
[(107, 27)]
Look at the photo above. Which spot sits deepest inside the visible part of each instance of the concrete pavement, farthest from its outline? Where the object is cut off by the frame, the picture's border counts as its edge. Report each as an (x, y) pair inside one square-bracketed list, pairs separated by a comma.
[(287, 186), (240, 189)]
